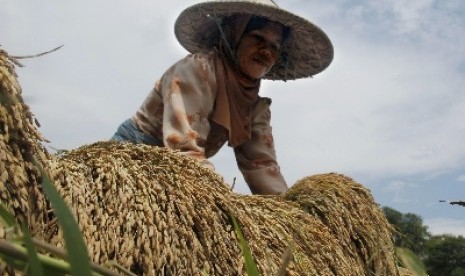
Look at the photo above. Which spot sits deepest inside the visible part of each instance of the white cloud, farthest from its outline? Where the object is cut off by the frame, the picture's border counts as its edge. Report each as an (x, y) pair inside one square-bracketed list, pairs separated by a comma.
[(409, 15), (438, 226), (461, 178), (383, 113), (380, 107), (401, 191), (408, 98), (434, 24)]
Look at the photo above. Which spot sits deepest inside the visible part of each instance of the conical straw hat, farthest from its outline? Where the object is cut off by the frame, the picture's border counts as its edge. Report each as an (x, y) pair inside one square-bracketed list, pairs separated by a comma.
[(306, 52)]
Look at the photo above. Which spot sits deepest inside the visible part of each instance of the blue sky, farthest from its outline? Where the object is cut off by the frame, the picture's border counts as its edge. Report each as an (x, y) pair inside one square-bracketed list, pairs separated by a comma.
[(388, 112)]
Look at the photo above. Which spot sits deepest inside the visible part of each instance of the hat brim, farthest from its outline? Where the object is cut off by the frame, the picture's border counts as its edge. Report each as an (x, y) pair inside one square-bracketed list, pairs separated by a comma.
[(307, 51)]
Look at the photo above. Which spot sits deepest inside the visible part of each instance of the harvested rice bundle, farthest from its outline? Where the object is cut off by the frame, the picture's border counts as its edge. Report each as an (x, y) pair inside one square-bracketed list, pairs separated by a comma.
[(272, 226), (19, 142), (148, 208), (153, 209), (351, 214)]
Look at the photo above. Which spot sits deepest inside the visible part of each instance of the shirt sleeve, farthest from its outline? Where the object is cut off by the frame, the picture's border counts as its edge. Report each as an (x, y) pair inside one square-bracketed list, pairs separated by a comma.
[(187, 89), (256, 158)]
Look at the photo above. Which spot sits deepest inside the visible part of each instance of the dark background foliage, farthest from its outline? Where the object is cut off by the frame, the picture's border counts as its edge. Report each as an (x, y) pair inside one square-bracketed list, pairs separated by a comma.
[(442, 255)]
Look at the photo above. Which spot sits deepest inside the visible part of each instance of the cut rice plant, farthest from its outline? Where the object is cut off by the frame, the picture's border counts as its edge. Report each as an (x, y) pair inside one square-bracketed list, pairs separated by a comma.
[(251, 266), (20, 250), (78, 257)]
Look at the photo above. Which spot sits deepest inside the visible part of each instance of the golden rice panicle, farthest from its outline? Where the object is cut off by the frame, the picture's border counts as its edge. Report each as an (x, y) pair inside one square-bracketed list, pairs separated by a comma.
[(152, 209), (148, 208), (20, 144), (283, 226), (351, 214)]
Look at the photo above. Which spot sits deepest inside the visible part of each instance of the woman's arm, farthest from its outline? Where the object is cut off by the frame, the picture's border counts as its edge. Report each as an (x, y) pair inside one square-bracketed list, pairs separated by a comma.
[(188, 92), (256, 158)]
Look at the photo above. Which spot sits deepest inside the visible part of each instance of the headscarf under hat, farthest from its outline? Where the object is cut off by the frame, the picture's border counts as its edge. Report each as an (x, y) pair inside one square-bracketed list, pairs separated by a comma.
[(236, 94)]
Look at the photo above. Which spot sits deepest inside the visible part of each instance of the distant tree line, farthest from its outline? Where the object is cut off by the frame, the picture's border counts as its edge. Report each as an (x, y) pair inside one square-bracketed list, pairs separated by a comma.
[(442, 255)]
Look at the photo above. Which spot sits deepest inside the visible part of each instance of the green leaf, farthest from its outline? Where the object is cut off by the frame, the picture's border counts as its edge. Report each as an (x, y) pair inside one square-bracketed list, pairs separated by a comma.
[(35, 267), (14, 262), (78, 256), (412, 262), (250, 265), (6, 218)]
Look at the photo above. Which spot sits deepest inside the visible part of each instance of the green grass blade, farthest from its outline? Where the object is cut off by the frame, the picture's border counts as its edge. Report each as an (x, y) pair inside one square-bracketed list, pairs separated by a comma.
[(250, 265), (76, 249), (6, 218), (411, 261), (35, 267)]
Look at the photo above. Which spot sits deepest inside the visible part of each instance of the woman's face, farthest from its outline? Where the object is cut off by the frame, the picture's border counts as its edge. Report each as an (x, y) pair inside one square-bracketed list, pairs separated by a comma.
[(259, 49)]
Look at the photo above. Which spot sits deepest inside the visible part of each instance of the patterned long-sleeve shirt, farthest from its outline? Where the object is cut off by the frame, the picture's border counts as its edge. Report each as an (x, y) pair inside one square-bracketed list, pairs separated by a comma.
[(178, 110)]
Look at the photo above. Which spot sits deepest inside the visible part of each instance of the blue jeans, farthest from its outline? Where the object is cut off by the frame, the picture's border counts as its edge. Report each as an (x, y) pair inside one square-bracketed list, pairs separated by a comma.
[(129, 132)]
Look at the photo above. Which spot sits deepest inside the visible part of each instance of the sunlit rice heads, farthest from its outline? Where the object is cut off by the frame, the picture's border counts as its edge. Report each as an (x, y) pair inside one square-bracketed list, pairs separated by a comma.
[(20, 145), (152, 209), (351, 214)]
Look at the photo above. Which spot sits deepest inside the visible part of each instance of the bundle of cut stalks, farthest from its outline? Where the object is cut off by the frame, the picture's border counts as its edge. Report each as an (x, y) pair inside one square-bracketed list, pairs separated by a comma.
[(349, 211), (20, 143), (158, 212)]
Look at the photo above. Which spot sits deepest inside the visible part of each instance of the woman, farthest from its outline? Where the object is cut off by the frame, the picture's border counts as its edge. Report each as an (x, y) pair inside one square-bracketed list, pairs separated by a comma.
[(211, 96)]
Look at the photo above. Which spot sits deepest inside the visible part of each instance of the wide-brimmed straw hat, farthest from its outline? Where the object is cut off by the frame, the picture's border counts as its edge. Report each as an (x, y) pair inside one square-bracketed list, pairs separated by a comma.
[(306, 52)]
